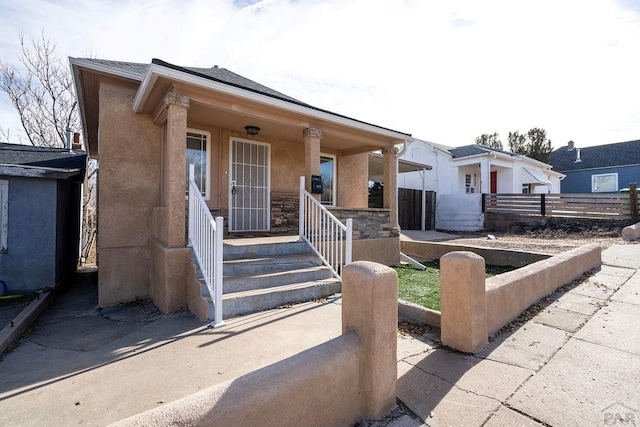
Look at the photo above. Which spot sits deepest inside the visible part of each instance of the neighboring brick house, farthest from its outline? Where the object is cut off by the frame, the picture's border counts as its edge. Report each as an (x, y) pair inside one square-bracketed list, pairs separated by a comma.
[(40, 202), (598, 169)]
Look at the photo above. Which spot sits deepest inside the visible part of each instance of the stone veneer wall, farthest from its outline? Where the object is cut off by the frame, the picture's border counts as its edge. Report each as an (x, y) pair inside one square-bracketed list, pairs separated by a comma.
[(285, 209), (368, 223)]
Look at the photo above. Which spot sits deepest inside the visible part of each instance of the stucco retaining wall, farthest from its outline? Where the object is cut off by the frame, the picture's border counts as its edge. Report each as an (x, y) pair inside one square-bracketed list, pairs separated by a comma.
[(631, 232), (349, 378), (429, 251), (509, 294)]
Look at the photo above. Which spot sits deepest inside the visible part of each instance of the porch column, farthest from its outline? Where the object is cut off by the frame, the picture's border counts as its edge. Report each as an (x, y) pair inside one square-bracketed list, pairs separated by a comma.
[(312, 137), (390, 179), (485, 176), (174, 175), (169, 256)]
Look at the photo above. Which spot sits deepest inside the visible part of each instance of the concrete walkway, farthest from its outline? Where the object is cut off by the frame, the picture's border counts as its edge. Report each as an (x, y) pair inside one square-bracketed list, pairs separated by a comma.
[(576, 362)]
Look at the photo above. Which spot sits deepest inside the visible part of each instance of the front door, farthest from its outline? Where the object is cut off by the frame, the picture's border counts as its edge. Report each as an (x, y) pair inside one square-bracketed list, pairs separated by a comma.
[(494, 182), (249, 185)]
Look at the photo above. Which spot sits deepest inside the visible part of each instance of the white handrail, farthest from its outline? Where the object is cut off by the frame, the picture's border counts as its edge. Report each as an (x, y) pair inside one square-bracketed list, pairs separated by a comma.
[(205, 238), (329, 238)]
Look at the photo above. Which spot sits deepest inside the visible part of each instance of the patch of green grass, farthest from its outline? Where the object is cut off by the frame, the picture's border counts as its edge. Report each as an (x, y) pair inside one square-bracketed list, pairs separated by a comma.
[(423, 287)]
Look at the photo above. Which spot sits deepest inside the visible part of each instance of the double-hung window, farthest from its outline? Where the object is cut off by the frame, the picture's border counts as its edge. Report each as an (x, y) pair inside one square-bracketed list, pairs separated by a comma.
[(199, 155), (604, 183), (4, 215)]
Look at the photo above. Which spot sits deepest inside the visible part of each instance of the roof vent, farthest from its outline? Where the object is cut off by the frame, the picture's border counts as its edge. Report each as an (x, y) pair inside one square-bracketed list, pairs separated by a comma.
[(578, 159), (215, 66)]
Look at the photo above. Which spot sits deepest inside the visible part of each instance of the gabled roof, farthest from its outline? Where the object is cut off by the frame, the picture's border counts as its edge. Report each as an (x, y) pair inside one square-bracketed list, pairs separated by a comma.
[(599, 156), (59, 159), (155, 77), (474, 150)]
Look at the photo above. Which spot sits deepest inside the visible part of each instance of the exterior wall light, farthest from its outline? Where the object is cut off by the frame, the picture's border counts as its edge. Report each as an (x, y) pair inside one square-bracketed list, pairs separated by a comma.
[(252, 130)]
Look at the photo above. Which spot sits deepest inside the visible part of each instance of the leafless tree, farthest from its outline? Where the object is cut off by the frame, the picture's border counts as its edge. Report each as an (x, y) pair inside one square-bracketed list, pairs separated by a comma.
[(40, 87)]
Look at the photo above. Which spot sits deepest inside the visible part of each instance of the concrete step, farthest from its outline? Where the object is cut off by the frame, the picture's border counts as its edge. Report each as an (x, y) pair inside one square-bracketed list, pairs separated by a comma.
[(271, 279), (266, 249), (269, 264), (252, 301)]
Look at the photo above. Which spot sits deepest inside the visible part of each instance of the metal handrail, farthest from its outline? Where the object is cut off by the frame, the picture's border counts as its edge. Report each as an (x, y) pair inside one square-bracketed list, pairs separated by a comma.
[(205, 238), (329, 238)]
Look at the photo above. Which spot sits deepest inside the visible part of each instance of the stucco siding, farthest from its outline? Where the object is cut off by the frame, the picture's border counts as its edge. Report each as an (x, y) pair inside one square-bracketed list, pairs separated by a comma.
[(29, 263), (129, 190)]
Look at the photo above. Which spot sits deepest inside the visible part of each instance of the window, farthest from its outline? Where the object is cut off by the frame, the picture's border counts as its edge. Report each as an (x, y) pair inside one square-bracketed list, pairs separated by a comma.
[(604, 183), (199, 155), (526, 188), (327, 172), (4, 215), (468, 188)]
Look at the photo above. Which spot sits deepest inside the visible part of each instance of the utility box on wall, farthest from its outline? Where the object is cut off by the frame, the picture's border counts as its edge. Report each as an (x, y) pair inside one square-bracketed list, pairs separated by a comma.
[(316, 184)]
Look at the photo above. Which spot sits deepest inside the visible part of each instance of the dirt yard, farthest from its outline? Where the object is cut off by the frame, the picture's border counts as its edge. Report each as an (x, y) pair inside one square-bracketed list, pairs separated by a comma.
[(545, 241)]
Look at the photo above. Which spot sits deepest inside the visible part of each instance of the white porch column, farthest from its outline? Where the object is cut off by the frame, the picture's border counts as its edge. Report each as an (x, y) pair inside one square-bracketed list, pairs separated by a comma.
[(485, 176), (390, 179), (312, 137)]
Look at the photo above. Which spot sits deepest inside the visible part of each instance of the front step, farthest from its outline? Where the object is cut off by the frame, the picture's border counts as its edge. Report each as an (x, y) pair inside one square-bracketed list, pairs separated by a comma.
[(266, 275)]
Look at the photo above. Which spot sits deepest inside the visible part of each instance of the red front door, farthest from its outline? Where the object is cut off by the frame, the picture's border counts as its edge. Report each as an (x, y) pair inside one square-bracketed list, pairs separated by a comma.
[(494, 182)]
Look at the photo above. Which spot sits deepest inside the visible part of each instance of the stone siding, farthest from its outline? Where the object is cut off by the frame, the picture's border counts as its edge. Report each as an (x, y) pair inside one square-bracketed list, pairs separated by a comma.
[(285, 209), (368, 223)]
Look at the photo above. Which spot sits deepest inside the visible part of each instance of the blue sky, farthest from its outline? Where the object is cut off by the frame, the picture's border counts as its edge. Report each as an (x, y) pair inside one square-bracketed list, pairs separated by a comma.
[(442, 71)]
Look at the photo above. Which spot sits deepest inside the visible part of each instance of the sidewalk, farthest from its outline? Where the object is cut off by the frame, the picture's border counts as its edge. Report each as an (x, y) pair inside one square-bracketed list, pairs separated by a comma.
[(576, 362)]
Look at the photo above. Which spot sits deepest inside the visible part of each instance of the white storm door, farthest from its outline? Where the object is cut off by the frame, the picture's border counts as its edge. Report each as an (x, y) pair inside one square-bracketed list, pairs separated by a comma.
[(249, 185)]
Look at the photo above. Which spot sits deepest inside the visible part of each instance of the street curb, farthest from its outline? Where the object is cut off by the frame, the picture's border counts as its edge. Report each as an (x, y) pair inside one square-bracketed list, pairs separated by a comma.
[(22, 321), (417, 313)]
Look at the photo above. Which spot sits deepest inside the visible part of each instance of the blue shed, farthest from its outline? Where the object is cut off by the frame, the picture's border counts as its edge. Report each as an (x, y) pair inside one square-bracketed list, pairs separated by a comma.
[(599, 169), (40, 215)]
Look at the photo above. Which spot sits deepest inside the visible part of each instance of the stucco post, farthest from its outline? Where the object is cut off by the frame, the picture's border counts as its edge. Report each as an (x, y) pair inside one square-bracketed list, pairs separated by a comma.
[(485, 176), (390, 179), (370, 307), (463, 301), (312, 137), (175, 169)]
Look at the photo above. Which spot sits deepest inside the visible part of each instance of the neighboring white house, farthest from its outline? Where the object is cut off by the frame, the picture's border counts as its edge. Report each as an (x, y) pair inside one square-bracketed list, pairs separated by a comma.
[(460, 175)]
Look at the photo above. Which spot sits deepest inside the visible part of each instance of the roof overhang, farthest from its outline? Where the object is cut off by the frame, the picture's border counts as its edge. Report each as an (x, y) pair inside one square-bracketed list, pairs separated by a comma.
[(38, 172), (376, 167)]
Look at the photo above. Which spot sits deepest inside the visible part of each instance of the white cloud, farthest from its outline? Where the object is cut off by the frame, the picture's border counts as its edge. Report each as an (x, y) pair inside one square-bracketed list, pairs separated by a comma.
[(443, 71)]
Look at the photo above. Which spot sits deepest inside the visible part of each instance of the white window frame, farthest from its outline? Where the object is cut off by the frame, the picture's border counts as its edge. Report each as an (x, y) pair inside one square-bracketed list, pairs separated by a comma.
[(594, 188), (469, 187), (4, 215), (334, 176), (207, 135)]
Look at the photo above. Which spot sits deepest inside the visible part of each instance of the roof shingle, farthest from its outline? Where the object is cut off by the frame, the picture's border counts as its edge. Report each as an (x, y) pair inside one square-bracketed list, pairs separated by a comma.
[(599, 156)]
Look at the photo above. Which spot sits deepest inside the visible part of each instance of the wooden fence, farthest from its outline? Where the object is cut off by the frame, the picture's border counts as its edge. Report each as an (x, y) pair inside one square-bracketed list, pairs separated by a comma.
[(623, 207)]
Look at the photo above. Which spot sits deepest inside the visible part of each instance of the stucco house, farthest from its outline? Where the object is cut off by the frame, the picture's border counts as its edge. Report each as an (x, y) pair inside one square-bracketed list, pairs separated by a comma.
[(40, 215), (599, 169), (144, 122), (460, 175)]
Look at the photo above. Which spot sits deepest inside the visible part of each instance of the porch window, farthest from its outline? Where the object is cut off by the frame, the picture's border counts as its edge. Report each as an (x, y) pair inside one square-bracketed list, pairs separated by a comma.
[(199, 155), (4, 215), (604, 183), (526, 188), (327, 172)]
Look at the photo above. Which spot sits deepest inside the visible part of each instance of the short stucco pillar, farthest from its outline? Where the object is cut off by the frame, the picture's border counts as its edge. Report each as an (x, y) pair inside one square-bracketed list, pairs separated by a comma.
[(463, 301), (312, 137), (370, 307), (390, 179)]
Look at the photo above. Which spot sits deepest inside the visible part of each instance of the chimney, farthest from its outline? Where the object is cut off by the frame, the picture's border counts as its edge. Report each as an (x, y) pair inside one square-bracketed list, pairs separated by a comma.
[(578, 159), (76, 141), (570, 145), (68, 139)]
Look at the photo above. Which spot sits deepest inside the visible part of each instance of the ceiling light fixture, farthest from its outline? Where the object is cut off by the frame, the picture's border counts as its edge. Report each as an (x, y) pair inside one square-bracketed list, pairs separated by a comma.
[(252, 130)]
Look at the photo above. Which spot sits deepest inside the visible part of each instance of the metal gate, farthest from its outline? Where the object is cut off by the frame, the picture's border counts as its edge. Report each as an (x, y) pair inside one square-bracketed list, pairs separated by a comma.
[(249, 186)]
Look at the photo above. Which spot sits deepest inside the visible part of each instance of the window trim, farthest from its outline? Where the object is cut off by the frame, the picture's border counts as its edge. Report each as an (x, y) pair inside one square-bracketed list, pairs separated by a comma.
[(593, 179), (4, 215), (207, 135), (334, 159)]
